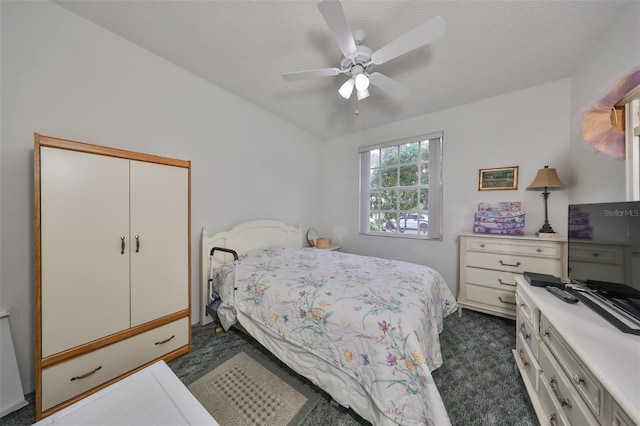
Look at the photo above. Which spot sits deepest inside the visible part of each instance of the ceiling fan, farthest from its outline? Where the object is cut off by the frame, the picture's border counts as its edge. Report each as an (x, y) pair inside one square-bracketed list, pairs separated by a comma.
[(358, 60)]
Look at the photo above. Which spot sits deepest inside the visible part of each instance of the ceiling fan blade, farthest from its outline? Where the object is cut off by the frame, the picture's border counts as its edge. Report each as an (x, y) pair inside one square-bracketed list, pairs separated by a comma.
[(420, 36), (388, 85), (334, 15), (300, 75)]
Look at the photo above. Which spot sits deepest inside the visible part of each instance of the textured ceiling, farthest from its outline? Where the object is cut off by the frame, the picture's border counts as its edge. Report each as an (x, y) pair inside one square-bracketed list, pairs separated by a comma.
[(489, 48)]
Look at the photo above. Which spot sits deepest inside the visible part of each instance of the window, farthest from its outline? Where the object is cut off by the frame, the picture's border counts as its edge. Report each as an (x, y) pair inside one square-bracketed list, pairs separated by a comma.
[(401, 188)]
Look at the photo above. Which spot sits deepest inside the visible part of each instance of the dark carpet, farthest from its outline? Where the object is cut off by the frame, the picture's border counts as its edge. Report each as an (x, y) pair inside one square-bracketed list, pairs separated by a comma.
[(478, 381)]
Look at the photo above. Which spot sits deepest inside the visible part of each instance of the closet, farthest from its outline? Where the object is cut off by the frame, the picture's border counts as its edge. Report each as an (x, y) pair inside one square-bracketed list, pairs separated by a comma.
[(112, 243)]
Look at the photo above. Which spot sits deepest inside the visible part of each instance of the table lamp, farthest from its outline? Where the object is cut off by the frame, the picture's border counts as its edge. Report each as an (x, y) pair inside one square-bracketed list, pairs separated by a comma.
[(546, 179)]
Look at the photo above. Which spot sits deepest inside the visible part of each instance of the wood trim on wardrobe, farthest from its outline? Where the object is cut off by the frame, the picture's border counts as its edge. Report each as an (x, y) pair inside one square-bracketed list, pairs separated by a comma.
[(43, 363)]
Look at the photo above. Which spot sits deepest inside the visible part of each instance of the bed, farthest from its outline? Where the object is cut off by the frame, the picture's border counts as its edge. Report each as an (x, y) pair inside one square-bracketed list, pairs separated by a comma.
[(364, 329)]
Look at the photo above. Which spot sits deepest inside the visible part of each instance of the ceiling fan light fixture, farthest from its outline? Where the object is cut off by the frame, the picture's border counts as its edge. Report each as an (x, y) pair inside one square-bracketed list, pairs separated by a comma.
[(356, 57), (362, 94), (346, 89), (361, 82)]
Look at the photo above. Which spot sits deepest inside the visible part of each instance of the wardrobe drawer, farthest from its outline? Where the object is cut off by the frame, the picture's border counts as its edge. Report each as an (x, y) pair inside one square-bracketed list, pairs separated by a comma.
[(529, 361), (514, 263), (504, 299), (490, 278), (562, 391), (584, 382), (78, 375), (527, 248)]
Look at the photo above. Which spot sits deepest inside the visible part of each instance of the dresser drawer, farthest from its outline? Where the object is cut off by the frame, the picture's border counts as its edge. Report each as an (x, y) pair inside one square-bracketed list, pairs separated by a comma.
[(490, 278), (600, 253), (525, 329), (504, 299), (532, 368), (584, 382), (514, 263), (554, 415), (619, 417), (562, 391), (544, 249), (83, 373), (600, 262), (527, 311)]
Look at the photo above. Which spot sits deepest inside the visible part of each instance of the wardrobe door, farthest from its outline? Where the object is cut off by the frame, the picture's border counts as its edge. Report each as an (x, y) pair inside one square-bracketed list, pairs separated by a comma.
[(84, 271), (160, 225)]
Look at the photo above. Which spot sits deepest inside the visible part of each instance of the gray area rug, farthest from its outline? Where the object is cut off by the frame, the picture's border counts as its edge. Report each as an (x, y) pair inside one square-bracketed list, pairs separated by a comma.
[(248, 389), (477, 382)]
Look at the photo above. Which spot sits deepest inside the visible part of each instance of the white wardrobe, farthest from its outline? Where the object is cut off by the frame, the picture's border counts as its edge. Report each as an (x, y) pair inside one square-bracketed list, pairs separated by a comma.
[(112, 239)]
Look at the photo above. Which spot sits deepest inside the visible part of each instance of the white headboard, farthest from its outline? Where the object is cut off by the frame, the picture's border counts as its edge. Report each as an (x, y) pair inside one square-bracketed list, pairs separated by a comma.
[(242, 238)]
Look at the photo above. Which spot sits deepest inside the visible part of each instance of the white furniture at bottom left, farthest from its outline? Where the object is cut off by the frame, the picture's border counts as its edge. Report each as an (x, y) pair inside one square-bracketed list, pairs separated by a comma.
[(153, 395)]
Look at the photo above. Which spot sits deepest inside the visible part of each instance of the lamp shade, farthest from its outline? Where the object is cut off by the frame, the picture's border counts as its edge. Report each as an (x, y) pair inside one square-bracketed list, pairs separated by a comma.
[(362, 94), (346, 89), (546, 178), (362, 82)]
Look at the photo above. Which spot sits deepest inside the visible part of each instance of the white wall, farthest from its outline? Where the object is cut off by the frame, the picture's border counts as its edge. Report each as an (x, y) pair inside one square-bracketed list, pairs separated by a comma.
[(63, 76), (592, 177), (528, 128)]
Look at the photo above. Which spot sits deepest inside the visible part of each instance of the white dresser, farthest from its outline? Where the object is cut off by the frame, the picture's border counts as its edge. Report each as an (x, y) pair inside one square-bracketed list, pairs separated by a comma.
[(578, 369), (488, 263)]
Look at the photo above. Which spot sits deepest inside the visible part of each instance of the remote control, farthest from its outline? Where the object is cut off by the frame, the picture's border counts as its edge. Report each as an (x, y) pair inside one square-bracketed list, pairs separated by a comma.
[(564, 295)]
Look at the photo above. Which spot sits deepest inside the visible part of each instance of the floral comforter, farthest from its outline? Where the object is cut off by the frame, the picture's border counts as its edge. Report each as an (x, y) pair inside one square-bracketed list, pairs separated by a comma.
[(376, 320)]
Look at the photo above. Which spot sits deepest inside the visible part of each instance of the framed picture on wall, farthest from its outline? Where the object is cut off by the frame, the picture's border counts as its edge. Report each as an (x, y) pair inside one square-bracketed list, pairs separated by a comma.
[(498, 178)]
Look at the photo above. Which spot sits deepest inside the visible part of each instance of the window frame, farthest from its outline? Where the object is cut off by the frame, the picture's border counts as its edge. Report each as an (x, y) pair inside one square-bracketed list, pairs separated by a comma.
[(434, 197)]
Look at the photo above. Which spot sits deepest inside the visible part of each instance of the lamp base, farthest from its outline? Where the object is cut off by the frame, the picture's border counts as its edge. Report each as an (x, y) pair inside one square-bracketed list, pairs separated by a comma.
[(547, 235), (546, 228)]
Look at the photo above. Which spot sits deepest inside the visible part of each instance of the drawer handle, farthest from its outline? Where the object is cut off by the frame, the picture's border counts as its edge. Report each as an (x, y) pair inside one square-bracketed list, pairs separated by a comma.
[(506, 301), (523, 330), (164, 341), (596, 254), (137, 243), (577, 380), (554, 387), (503, 283), (539, 250), (524, 361), (122, 245), (482, 245), (85, 375), (509, 264)]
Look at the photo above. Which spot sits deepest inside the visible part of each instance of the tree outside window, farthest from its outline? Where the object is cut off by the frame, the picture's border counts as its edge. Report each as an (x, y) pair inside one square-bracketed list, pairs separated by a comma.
[(398, 197)]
